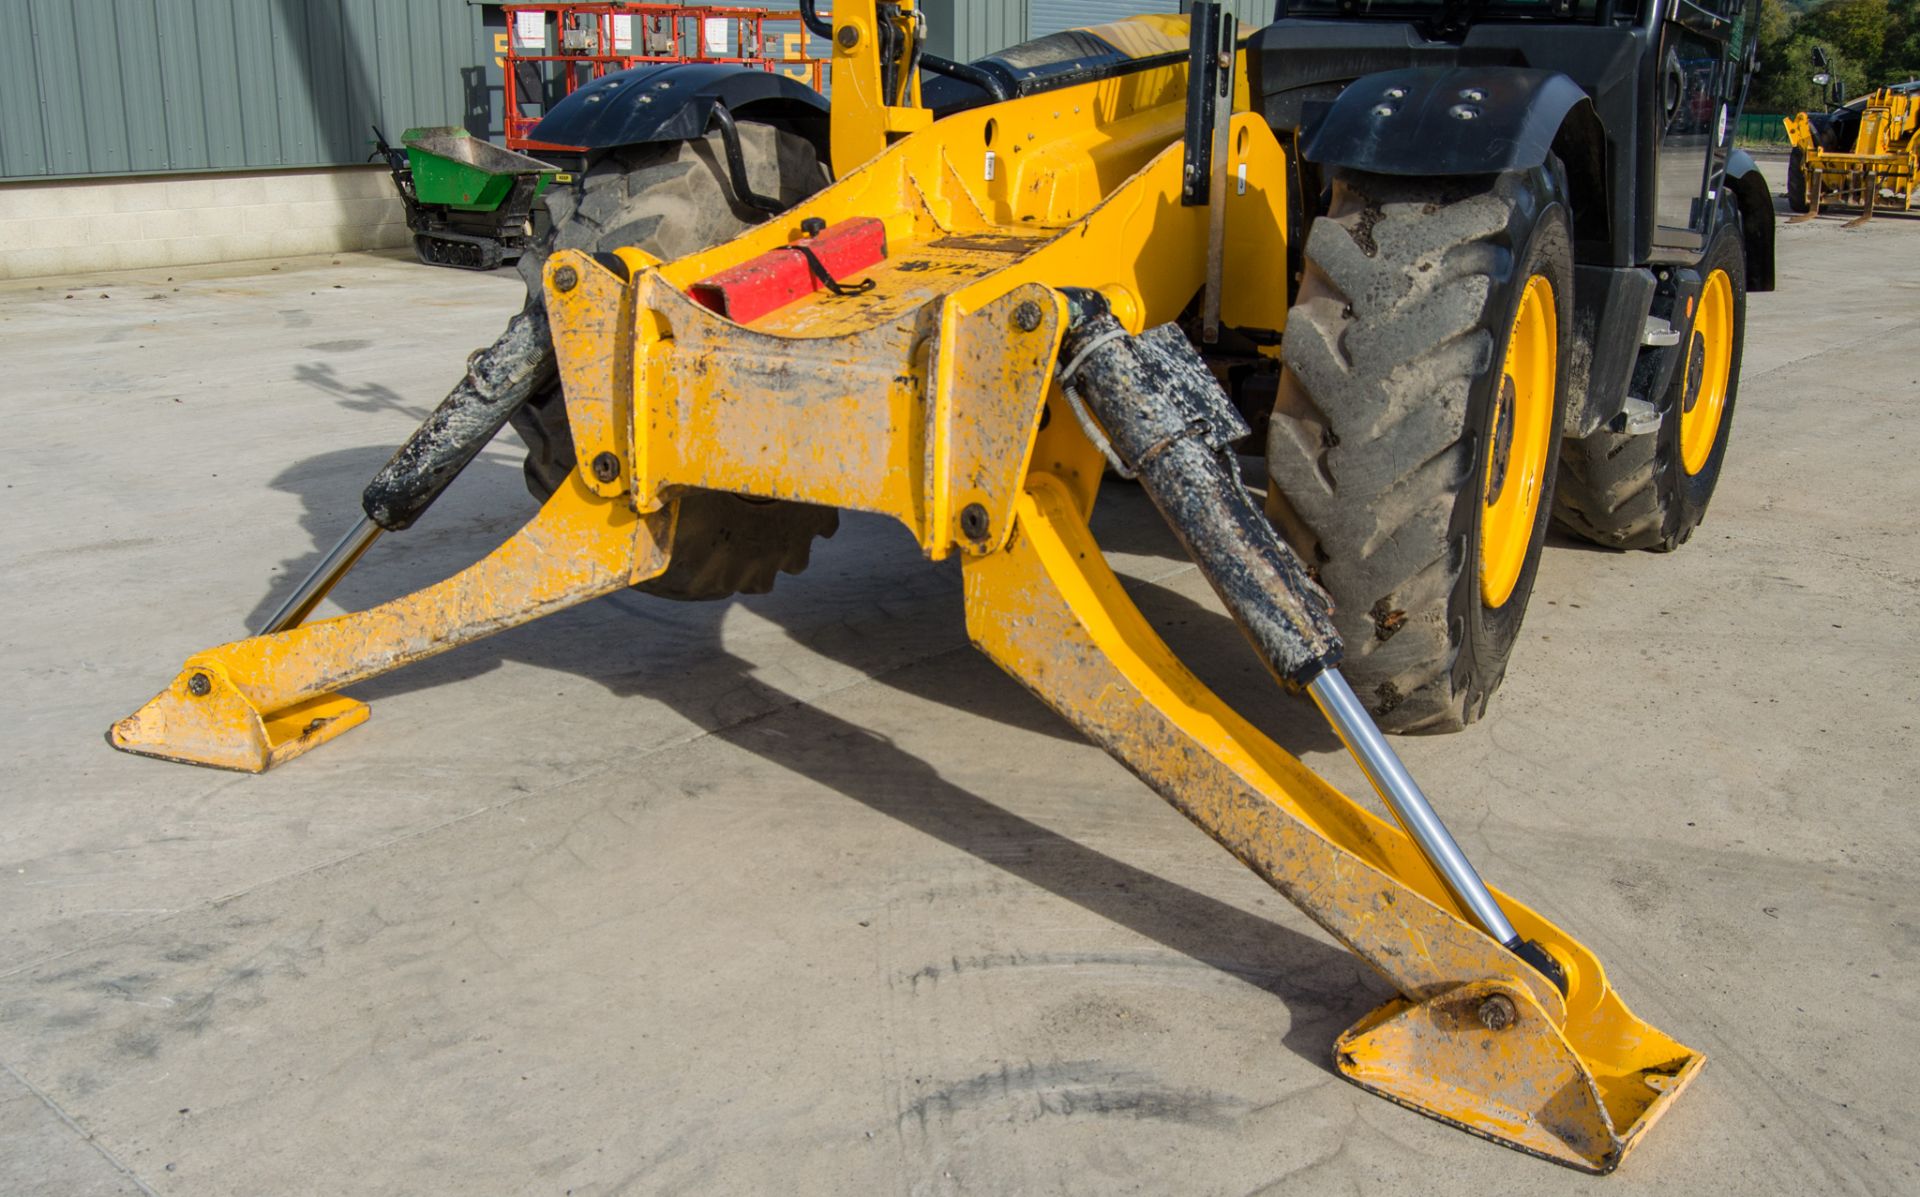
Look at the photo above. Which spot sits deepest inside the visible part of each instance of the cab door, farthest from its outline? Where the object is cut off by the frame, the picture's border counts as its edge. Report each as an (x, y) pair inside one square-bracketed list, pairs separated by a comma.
[(1697, 77)]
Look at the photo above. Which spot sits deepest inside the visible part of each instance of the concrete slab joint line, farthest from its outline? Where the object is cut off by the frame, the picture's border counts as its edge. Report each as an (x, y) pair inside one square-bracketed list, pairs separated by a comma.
[(86, 1136)]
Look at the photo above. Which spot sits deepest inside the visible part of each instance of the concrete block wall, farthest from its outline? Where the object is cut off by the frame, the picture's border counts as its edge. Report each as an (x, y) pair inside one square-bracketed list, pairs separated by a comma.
[(79, 225)]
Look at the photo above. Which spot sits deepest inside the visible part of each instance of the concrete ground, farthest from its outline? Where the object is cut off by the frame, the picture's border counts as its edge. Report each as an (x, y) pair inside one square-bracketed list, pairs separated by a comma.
[(798, 894)]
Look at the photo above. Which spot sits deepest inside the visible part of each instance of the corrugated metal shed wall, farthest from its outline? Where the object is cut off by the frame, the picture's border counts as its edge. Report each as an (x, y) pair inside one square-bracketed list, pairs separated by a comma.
[(969, 29), (106, 87), (91, 87), (1050, 16)]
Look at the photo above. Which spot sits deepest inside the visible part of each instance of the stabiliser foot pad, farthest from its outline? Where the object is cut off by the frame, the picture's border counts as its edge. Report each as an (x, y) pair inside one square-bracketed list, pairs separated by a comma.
[(204, 719), (1485, 1058)]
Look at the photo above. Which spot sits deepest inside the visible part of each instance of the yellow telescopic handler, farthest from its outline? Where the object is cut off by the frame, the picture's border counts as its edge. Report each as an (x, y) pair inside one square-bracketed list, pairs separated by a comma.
[(1862, 154), (1458, 270)]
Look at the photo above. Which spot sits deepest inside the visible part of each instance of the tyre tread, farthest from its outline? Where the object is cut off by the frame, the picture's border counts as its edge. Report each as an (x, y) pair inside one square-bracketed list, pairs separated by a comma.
[(1369, 447)]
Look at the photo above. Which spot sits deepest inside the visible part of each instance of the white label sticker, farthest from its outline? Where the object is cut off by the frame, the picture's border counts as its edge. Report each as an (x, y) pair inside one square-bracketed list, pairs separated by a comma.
[(989, 166), (530, 30), (1243, 178), (622, 32)]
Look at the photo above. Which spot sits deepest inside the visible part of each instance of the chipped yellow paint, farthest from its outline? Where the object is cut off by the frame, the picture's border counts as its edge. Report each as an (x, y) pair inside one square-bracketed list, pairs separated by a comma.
[(254, 703), (863, 117), (1050, 612), (589, 317), (1521, 1082), (859, 401)]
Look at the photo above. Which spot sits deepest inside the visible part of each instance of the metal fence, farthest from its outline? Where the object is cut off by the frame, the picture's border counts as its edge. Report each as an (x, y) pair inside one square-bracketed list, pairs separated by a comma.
[(1761, 130)]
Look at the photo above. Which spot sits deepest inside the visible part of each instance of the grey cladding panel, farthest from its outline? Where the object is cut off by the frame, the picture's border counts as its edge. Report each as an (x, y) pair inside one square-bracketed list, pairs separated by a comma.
[(1051, 16), (148, 86), (57, 59)]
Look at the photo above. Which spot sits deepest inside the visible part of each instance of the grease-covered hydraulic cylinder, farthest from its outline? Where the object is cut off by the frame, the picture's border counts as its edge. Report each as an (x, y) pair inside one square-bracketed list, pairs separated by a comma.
[(1168, 422)]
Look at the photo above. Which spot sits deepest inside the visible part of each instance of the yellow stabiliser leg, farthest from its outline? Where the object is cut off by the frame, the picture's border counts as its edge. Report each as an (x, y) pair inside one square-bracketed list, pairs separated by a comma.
[(260, 702), (1477, 1038)]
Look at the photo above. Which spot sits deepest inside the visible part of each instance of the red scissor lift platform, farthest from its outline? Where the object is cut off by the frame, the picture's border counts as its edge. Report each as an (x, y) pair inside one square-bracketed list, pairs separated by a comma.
[(588, 41)]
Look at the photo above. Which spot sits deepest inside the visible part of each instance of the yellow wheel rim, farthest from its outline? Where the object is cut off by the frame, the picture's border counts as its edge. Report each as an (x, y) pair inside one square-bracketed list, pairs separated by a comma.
[(1703, 389), (1522, 428)]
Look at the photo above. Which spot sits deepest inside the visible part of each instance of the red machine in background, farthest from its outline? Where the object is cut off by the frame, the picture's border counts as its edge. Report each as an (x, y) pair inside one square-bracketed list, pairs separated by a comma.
[(587, 41)]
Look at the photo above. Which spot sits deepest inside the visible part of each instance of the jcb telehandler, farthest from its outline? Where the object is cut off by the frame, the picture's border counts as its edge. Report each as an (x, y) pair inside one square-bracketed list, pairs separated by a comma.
[(1443, 252), (1857, 152)]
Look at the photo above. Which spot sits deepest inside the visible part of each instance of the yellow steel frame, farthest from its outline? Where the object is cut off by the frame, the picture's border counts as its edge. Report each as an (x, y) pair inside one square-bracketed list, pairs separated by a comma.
[(1885, 157), (930, 399)]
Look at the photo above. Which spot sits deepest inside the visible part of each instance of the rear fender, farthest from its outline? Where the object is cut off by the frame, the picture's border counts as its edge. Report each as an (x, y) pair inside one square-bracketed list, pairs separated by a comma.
[(1749, 190), (1446, 121), (675, 102), (1480, 120)]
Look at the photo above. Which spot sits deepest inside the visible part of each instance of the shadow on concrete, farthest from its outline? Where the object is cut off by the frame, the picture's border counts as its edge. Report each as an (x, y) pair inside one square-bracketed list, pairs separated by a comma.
[(340, 89), (1831, 211), (364, 397), (1559, 538), (1325, 988), (637, 644)]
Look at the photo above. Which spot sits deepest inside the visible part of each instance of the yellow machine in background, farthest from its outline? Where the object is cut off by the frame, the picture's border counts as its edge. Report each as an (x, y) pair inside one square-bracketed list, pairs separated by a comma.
[(1877, 168), (965, 332)]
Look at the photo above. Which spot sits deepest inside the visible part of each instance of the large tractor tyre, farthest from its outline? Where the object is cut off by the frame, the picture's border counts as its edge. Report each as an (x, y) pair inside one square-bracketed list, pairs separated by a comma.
[(1797, 180), (673, 199), (1651, 491), (1411, 447)]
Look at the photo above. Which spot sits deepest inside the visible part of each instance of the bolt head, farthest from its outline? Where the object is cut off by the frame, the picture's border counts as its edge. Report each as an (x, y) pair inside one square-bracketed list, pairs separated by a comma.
[(565, 279), (1497, 1012), (813, 226), (848, 37), (606, 467), (1473, 94), (1396, 93), (973, 522), (1463, 112), (199, 685), (1384, 110), (1026, 317)]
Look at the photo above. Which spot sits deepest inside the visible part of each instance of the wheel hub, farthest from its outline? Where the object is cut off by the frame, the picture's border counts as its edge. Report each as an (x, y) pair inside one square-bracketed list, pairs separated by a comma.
[(1502, 441), (1519, 433), (1696, 374), (1709, 366)]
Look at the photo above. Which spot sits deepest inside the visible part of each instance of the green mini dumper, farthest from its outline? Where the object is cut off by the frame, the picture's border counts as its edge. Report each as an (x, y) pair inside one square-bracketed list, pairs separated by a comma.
[(469, 202)]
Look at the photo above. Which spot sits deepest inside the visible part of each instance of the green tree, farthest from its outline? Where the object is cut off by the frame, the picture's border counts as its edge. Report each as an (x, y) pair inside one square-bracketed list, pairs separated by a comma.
[(1857, 29), (1868, 44), (1900, 60)]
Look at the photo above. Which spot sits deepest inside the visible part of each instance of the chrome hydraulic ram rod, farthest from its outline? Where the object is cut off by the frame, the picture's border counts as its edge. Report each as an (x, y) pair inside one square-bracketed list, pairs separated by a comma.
[(1409, 804), (499, 379), (331, 569), (1152, 405)]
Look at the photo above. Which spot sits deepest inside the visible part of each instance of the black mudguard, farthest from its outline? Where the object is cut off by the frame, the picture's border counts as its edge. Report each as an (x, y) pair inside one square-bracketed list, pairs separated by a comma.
[(1431, 121), (1749, 190), (675, 102)]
